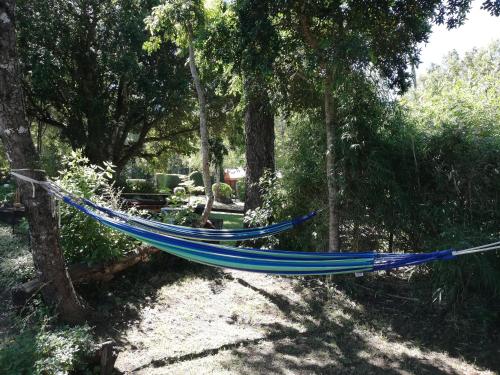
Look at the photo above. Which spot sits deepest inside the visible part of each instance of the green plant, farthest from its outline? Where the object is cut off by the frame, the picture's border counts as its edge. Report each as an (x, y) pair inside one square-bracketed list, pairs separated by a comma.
[(169, 181), (184, 216), (273, 206), (41, 350), (139, 185), (197, 178), (222, 192), (84, 239), (241, 189), (180, 191), (7, 191)]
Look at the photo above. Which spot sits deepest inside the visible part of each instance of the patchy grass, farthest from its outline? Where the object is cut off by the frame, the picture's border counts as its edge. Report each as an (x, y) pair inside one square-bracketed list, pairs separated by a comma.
[(30, 342), (172, 316), (231, 220), (176, 317)]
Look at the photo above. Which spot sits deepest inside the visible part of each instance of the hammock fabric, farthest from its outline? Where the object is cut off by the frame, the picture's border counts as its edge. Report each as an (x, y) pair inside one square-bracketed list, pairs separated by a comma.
[(267, 261), (202, 234)]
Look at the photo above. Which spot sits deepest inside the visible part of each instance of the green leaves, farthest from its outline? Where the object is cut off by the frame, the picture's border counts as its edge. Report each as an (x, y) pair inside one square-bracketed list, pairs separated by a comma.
[(83, 239), (175, 20)]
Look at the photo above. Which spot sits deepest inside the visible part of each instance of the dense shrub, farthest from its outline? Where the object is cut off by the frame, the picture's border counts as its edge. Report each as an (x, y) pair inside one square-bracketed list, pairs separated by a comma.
[(241, 190), (84, 239), (167, 181), (40, 350), (222, 192), (139, 185), (197, 178)]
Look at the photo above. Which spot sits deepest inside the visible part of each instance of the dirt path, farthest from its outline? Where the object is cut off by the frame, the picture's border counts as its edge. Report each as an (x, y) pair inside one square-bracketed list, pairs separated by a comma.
[(204, 321)]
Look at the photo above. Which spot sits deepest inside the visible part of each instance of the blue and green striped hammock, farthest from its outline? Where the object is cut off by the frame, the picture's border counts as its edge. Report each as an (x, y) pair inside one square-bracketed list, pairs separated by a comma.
[(267, 261), (203, 234), (256, 260)]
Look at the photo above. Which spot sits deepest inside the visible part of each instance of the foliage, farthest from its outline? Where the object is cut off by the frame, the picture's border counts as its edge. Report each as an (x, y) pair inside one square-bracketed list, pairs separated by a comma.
[(84, 239), (88, 76), (241, 189), (140, 185), (189, 186), (41, 350), (16, 265), (185, 216), (222, 192), (197, 178), (7, 192), (180, 191), (272, 209), (167, 181), (456, 111), (421, 181)]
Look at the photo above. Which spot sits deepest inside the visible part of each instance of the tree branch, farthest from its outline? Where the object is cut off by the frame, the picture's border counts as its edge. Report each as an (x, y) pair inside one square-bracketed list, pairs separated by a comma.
[(168, 136)]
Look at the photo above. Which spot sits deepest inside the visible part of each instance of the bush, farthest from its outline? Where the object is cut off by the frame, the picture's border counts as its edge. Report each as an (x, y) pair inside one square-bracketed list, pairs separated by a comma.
[(7, 192), (167, 181), (82, 238), (241, 190), (139, 185), (180, 191), (41, 351), (222, 192), (197, 178)]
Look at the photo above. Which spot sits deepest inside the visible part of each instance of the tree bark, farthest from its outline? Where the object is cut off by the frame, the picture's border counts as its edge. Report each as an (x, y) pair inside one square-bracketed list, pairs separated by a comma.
[(15, 133), (205, 159), (330, 125), (259, 141)]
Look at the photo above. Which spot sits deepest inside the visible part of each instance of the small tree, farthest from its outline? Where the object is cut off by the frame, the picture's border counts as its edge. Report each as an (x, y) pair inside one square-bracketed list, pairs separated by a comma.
[(182, 21)]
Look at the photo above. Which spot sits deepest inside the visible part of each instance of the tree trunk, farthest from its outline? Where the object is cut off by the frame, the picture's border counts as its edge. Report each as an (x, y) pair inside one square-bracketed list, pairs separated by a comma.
[(205, 160), (330, 124), (259, 140), (15, 133)]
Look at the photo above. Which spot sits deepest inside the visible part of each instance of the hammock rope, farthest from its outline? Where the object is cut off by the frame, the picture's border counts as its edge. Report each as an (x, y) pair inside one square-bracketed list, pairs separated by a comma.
[(280, 262)]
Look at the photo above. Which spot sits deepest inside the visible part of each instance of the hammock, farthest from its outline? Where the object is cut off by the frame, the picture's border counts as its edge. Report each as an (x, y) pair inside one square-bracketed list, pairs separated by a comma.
[(279, 262), (267, 261), (202, 234)]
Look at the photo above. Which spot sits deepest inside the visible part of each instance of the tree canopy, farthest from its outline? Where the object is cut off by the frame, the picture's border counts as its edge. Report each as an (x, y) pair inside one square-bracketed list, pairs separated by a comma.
[(86, 73)]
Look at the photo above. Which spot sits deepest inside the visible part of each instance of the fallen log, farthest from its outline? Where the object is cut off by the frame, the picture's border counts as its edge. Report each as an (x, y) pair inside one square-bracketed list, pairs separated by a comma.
[(81, 273)]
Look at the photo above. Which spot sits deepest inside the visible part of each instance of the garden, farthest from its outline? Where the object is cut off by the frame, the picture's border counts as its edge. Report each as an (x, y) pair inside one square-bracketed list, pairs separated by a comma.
[(247, 187)]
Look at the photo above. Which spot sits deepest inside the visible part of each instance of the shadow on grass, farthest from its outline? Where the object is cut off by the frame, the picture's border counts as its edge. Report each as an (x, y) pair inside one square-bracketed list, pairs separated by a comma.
[(462, 334), (118, 303), (335, 345), (408, 335)]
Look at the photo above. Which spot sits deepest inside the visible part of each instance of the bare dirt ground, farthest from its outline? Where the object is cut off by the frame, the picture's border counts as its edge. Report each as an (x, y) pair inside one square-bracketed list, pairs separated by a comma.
[(176, 318)]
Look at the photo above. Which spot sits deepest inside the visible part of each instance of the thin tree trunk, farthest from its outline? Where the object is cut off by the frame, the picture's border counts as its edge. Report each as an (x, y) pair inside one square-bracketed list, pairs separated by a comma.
[(15, 133), (330, 123), (205, 160), (259, 141)]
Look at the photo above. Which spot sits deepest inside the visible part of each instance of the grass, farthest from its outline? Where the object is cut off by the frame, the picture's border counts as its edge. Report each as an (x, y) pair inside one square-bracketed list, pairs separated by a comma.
[(231, 220), (30, 342), (191, 319)]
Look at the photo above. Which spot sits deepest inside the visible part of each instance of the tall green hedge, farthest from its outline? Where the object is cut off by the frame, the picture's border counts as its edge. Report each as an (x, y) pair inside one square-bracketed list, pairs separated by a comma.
[(167, 181), (197, 178)]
